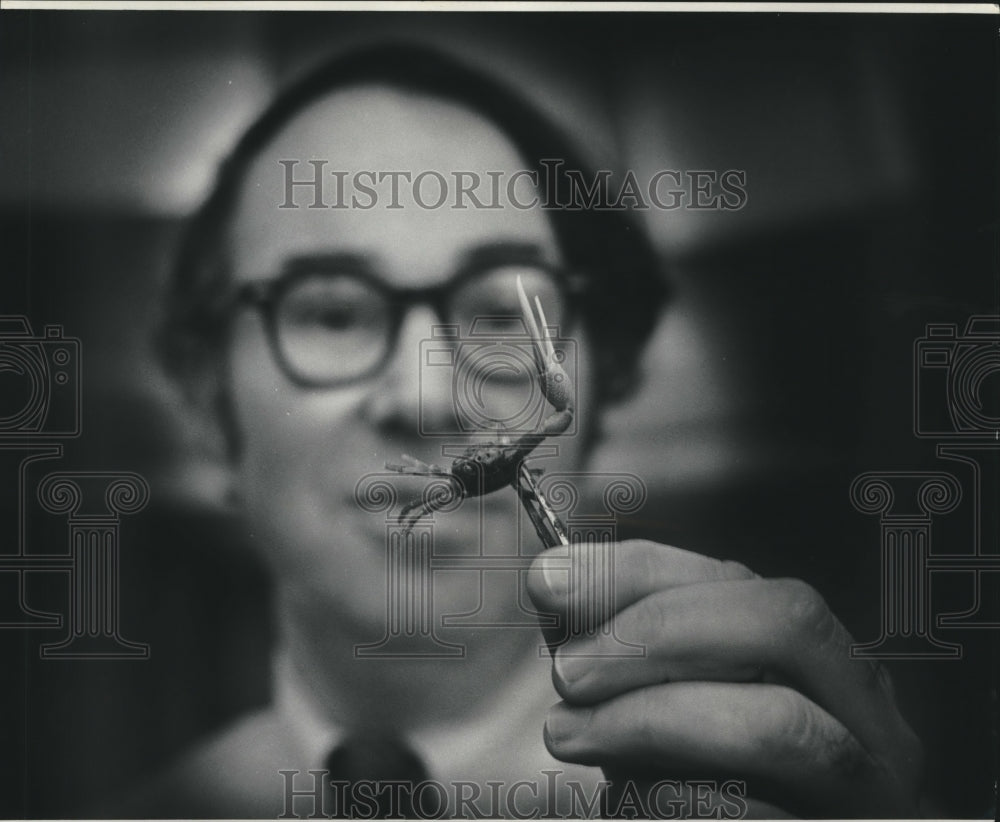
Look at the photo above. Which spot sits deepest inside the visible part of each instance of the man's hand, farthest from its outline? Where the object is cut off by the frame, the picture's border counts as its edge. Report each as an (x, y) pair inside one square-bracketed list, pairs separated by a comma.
[(742, 677)]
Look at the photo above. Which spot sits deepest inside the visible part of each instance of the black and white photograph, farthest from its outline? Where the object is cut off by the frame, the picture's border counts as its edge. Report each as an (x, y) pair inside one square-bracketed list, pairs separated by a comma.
[(499, 410)]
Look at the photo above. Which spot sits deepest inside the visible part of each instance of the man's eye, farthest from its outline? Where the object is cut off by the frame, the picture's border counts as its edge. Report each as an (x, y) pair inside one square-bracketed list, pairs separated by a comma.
[(339, 317), (336, 318), (505, 310)]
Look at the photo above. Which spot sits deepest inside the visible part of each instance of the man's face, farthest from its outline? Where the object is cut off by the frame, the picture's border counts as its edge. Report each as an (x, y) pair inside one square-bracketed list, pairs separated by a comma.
[(305, 449)]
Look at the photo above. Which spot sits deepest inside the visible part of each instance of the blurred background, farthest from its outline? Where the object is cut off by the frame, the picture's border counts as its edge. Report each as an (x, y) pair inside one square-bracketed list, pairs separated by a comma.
[(782, 369)]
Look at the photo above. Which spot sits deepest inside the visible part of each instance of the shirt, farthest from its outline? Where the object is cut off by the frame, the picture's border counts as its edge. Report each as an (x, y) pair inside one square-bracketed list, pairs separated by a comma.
[(495, 762)]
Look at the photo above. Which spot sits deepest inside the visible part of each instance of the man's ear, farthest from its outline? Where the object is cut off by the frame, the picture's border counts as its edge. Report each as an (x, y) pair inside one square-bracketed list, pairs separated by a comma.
[(205, 471)]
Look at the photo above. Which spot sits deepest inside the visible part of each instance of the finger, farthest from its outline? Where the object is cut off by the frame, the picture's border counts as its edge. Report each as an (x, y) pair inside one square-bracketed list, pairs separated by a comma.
[(770, 734), (738, 631), (608, 577), (585, 583)]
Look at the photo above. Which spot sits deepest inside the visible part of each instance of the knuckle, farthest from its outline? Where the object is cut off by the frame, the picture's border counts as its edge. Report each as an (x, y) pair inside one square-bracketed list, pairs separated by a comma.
[(801, 731), (783, 723), (646, 738), (802, 601), (841, 754), (729, 570), (654, 612), (635, 720), (805, 612), (710, 570), (637, 545)]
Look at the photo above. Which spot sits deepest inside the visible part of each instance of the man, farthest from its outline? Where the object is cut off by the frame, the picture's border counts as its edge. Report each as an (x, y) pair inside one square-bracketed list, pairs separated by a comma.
[(296, 319)]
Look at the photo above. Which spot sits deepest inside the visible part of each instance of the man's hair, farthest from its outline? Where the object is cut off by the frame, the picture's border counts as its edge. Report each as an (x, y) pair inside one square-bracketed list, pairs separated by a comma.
[(619, 306)]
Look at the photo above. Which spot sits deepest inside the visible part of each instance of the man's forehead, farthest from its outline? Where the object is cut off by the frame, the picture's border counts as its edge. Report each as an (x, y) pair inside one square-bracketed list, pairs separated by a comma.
[(372, 124), (350, 135)]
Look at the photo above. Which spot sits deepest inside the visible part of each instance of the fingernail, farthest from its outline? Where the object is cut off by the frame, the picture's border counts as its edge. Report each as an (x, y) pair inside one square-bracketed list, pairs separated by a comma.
[(556, 580), (570, 668), (564, 722)]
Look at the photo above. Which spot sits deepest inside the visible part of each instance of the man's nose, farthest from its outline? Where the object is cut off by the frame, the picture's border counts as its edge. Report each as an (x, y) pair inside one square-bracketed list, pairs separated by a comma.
[(413, 390)]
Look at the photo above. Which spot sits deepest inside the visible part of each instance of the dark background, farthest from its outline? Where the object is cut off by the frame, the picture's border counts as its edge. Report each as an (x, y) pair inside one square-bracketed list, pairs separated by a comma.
[(782, 370)]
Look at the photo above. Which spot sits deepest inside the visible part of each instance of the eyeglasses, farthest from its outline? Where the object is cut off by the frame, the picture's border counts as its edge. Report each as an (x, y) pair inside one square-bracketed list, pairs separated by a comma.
[(330, 321)]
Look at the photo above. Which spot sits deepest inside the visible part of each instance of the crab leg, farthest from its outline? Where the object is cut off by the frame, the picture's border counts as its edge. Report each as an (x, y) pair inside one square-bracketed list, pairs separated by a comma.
[(426, 505)]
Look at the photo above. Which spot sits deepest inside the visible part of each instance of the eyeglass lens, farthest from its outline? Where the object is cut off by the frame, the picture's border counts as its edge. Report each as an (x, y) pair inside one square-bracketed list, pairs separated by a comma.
[(334, 327)]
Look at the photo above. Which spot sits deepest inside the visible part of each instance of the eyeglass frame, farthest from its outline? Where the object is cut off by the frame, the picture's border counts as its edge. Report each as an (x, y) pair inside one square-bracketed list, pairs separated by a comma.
[(265, 295)]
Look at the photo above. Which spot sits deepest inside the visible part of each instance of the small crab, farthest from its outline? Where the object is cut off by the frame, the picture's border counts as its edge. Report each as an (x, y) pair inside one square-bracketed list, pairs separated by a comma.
[(487, 467)]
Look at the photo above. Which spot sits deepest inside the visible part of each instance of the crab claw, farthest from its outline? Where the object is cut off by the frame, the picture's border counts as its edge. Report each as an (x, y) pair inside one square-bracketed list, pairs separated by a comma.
[(552, 377)]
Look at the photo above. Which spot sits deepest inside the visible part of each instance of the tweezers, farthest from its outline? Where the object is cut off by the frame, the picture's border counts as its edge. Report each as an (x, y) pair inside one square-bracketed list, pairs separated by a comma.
[(548, 526)]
